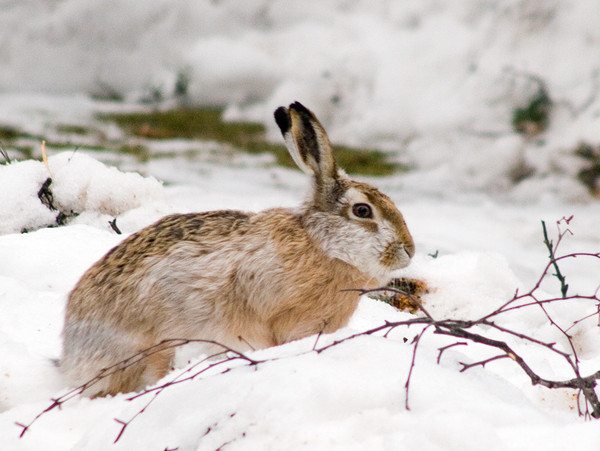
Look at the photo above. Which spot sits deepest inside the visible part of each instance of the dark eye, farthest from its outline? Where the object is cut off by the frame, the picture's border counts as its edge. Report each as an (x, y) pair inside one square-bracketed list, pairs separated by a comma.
[(363, 211)]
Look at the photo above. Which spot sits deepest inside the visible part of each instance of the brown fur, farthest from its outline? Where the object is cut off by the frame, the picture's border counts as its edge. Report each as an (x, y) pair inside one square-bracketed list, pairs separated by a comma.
[(246, 280)]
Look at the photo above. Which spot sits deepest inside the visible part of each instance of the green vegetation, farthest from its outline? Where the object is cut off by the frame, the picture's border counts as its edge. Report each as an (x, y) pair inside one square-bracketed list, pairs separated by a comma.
[(534, 117), (207, 124), (204, 124), (137, 150), (8, 136), (590, 174), (8, 133), (74, 129)]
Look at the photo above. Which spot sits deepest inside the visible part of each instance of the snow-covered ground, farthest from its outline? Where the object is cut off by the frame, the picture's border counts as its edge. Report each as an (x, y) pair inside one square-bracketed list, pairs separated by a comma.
[(349, 397), (434, 83)]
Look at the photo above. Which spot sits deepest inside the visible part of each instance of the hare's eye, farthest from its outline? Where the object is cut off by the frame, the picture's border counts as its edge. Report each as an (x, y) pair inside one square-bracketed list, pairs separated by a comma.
[(362, 211)]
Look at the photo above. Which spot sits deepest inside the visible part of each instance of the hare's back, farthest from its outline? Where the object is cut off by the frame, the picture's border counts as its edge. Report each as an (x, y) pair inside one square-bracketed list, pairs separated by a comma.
[(159, 238), (124, 266)]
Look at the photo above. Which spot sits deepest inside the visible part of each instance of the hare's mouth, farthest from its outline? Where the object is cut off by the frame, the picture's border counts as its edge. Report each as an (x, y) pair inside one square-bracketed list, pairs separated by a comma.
[(396, 256)]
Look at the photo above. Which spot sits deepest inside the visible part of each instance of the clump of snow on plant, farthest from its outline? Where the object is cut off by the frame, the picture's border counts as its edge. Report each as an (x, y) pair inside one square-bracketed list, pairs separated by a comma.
[(80, 186)]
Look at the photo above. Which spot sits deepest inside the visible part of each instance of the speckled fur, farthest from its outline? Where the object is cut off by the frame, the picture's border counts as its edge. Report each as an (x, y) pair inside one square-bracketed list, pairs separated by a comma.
[(247, 280)]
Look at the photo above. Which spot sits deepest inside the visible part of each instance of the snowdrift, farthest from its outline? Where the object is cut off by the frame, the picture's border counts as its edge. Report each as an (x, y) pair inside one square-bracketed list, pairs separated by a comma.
[(349, 396)]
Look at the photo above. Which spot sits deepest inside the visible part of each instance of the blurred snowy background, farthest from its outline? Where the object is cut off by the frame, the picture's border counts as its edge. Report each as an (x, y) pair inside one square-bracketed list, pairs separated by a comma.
[(491, 109), (436, 82)]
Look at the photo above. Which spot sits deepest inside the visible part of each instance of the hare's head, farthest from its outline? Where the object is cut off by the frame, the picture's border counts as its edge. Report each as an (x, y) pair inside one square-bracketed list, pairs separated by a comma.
[(353, 221)]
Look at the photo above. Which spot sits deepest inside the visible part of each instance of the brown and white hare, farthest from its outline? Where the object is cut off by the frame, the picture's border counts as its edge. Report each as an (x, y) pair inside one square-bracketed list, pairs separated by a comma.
[(246, 280)]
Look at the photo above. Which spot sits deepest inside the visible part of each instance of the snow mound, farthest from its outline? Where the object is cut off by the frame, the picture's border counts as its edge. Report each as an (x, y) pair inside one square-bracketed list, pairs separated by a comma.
[(350, 396), (81, 187), (22, 209)]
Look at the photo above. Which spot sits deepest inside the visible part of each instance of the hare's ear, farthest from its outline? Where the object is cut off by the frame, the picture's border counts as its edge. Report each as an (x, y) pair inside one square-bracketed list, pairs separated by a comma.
[(307, 142)]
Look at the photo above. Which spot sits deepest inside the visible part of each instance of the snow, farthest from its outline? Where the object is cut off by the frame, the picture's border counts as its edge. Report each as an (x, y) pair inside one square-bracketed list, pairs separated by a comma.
[(432, 82), (79, 184), (348, 397)]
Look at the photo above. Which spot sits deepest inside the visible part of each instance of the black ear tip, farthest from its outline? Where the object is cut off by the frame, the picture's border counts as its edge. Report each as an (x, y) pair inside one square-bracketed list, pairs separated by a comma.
[(282, 118), (297, 106)]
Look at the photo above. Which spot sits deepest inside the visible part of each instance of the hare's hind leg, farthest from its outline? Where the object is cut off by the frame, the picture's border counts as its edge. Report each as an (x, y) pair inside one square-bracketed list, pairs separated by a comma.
[(108, 372), (157, 366), (146, 370), (121, 381)]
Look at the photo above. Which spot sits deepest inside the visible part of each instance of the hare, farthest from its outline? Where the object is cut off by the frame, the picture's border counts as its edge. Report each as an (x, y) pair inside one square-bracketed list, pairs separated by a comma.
[(246, 280)]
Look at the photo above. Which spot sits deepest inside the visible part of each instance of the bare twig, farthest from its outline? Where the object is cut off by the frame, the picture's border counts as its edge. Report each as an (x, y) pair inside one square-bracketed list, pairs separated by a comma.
[(325, 323), (4, 154), (133, 360), (113, 225), (416, 341), (467, 331), (481, 363), (445, 348)]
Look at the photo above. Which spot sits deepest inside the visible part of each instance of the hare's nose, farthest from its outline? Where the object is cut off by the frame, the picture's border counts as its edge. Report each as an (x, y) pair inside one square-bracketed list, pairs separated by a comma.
[(409, 248)]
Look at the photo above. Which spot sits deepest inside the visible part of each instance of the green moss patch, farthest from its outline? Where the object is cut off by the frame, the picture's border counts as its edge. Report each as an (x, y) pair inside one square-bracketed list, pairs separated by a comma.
[(74, 129), (207, 124), (533, 117), (589, 175), (8, 133)]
